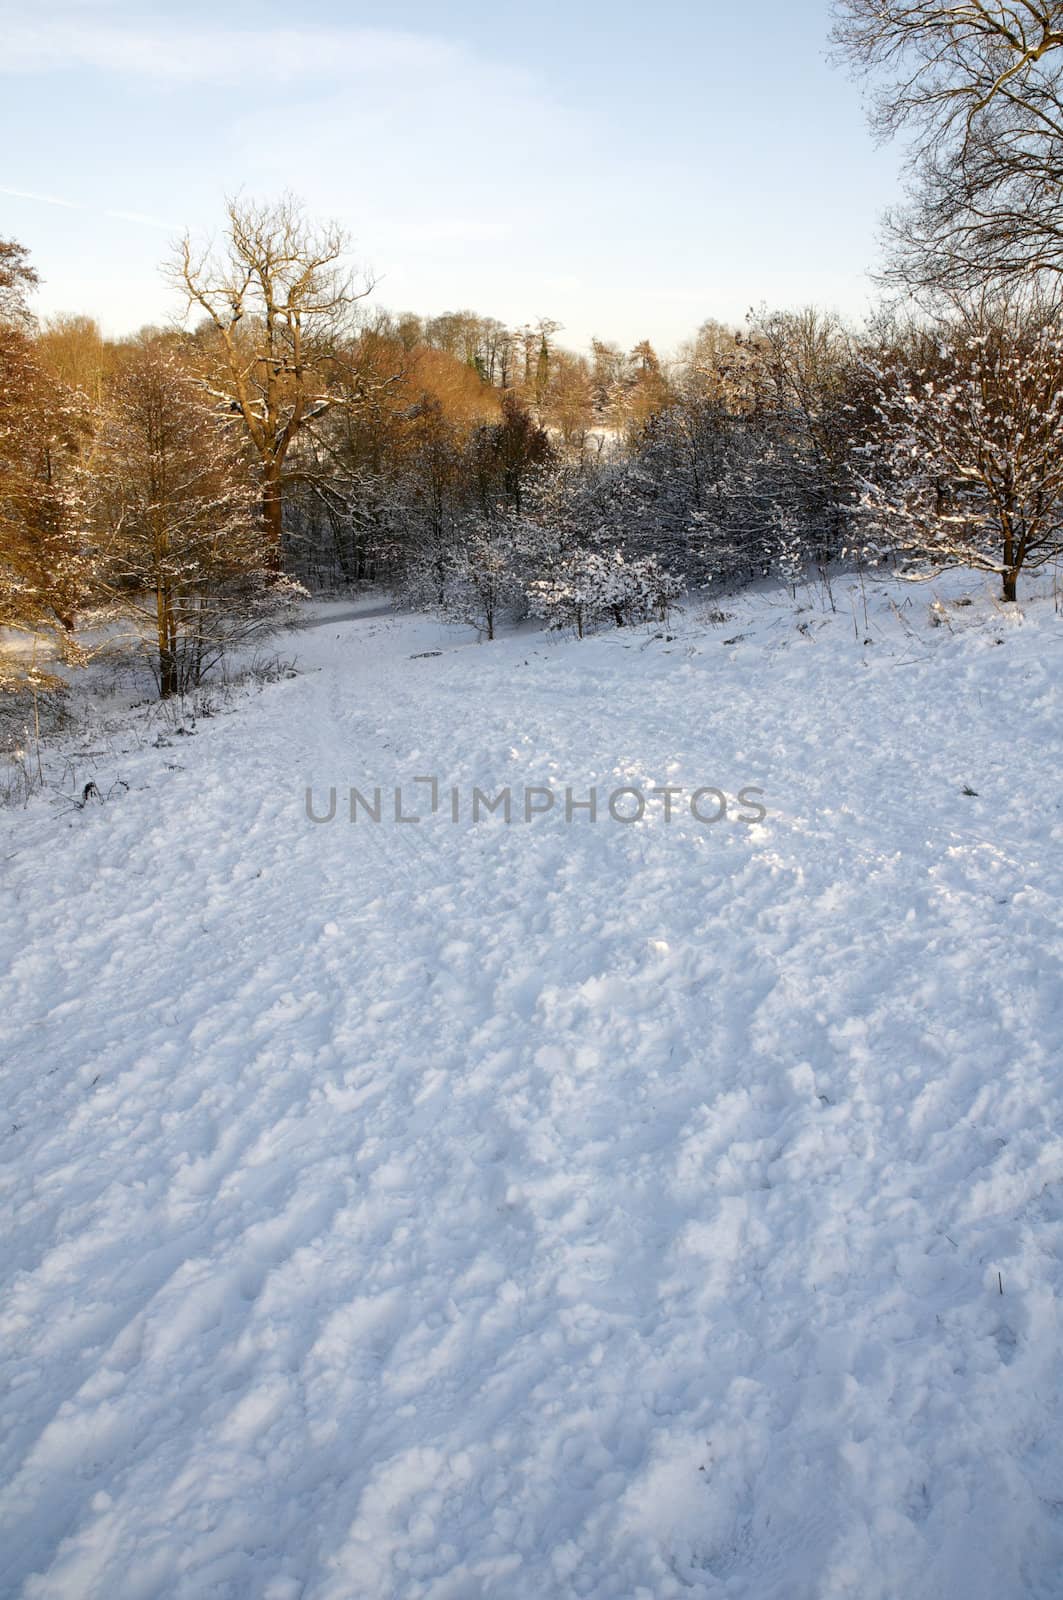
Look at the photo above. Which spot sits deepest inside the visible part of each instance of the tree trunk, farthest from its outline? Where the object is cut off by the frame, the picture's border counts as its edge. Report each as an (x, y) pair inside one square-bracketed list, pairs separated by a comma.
[(273, 516), (167, 671), (1012, 558), (165, 636)]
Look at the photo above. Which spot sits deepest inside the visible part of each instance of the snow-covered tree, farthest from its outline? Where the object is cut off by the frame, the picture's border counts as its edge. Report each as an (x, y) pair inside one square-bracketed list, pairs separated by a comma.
[(634, 589), (568, 597), (589, 586), (482, 581), (965, 467)]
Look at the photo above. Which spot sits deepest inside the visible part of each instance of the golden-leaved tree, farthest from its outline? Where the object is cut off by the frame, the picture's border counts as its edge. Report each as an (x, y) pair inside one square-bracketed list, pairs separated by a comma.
[(179, 549), (44, 568)]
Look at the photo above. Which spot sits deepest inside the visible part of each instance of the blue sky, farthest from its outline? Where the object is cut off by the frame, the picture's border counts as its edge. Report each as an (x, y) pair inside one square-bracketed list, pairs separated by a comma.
[(627, 171)]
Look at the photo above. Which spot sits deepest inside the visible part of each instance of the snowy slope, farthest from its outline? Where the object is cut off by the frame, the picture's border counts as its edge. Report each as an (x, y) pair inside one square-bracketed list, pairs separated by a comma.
[(450, 1210)]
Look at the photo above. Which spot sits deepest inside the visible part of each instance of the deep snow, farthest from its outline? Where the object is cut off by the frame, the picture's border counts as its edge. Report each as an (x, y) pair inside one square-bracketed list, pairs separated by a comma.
[(452, 1210)]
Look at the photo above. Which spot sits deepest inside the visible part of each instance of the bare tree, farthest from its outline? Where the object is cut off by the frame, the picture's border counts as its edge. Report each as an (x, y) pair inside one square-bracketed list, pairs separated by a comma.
[(979, 86), (279, 304), (807, 359)]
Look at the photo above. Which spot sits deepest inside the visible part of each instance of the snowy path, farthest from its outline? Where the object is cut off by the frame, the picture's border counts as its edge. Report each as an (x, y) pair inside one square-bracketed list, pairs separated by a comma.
[(619, 1211)]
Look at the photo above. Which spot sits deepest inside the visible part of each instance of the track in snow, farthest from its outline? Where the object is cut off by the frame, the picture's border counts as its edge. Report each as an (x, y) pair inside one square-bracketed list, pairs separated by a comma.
[(590, 1210)]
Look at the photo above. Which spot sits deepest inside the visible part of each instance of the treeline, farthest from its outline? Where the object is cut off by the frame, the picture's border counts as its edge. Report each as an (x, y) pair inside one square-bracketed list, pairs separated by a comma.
[(192, 483), (187, 482)]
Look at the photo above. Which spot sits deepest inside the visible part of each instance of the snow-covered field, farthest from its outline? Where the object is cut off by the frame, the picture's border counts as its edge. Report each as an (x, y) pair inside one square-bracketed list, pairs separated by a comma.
[(454, 1210)]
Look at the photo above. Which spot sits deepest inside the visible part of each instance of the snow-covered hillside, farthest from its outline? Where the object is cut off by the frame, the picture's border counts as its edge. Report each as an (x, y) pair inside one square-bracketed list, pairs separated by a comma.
[(465, 1210)]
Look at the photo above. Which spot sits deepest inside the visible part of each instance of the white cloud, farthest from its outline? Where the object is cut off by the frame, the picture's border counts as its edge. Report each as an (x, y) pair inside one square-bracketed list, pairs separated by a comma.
[(42, 199), (141, 218), (222, 55)]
